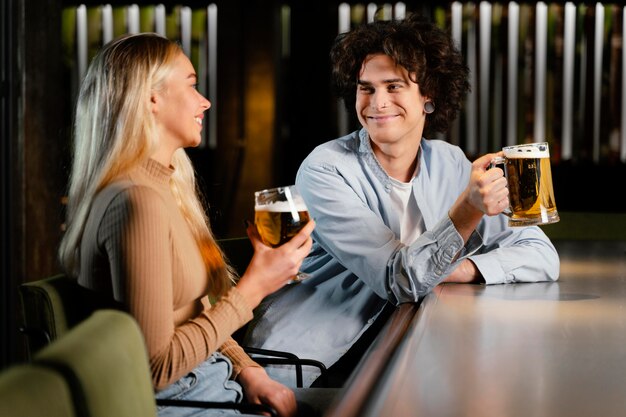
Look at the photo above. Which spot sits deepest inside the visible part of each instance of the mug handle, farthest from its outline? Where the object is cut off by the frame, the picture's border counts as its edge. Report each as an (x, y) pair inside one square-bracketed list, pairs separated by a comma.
[(498, 160), (501, 160)]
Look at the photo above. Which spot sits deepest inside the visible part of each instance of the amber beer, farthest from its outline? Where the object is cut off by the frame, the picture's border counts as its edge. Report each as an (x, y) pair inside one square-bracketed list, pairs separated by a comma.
[(279, 214), (276, 225), (529, 176)]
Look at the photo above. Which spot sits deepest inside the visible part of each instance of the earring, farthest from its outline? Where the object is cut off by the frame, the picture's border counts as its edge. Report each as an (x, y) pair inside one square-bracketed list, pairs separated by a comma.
[(429, 107)]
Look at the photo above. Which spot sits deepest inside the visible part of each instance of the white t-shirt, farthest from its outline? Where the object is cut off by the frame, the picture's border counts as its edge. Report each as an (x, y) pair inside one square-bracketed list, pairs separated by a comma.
[(411, 221)]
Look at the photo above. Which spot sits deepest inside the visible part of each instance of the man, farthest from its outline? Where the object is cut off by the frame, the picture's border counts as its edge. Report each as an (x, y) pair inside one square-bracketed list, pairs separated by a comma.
[(396, 214)]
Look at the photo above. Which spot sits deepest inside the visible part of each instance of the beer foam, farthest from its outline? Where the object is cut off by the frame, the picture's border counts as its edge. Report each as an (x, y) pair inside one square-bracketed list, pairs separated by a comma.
[(281, 206), (527, 151)]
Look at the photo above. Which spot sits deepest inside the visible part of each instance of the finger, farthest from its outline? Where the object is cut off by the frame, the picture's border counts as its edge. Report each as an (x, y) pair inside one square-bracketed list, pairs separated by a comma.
[(495, 178), (498, 207), (301, 237), (302, 251), (284, 402), (498, 189), (253, 235), (251, 228), (484, 162), (491, 175), (308, 227)]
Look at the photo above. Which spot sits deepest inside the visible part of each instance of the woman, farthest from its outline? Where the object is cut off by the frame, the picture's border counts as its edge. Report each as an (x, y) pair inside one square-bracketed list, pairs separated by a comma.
[(137, 230)]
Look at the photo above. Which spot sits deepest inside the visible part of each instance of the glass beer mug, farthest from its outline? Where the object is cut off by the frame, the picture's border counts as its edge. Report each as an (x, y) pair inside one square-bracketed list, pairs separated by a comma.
[(279, 214), (529, 176)]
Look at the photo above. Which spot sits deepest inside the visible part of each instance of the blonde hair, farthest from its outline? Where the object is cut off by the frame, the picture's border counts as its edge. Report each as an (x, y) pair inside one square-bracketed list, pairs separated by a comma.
[(114, 131)]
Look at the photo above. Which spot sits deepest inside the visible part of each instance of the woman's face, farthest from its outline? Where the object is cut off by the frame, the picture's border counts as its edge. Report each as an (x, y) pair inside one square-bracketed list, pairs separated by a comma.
[(179, 108)]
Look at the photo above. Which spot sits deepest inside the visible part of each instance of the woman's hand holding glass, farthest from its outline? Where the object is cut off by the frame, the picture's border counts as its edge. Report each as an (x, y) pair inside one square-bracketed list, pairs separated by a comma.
[(271, 268), (280, 213)]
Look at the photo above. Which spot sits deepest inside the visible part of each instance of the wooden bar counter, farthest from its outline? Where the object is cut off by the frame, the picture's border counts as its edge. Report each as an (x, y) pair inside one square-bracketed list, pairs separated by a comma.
[(512, 350)]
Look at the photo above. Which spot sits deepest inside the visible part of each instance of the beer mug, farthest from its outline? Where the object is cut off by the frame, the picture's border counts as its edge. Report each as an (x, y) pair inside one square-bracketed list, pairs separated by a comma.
[(279, 214), (529, 177)]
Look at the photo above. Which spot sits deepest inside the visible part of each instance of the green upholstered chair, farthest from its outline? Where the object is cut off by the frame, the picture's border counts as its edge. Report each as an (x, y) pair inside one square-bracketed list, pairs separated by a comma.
[(104, 358), (105, 361), (28, 390)]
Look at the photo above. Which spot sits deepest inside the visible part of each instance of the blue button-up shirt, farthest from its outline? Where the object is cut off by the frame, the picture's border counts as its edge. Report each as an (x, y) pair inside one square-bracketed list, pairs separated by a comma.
[(357, 261)]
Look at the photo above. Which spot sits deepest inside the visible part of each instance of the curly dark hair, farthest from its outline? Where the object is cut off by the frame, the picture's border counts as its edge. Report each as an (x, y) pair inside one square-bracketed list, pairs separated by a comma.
[(424, 49)]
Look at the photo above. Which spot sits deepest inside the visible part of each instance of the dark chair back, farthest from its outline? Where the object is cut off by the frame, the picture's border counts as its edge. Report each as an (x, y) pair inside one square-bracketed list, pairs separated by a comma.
[(53, 305)]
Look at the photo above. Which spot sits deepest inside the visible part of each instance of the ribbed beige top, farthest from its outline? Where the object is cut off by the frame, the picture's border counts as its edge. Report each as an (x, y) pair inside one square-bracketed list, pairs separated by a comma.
[(141, 252)]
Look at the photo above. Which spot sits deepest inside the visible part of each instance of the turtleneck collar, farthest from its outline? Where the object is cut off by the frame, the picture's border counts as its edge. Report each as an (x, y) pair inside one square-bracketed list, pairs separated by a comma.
[(158, 172)]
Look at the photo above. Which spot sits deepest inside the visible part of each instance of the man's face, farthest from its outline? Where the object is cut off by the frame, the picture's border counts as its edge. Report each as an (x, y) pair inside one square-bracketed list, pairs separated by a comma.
[(388, 104)]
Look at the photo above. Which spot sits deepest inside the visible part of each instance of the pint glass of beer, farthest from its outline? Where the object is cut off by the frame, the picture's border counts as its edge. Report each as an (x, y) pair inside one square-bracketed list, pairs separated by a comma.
[(279, 214), (529, 177)]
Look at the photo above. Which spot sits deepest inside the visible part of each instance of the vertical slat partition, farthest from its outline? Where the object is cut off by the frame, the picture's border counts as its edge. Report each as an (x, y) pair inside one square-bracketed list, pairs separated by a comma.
[(399, 10), (159, 19), (81, 40), (563, 77), (371, 11), (541, 40), (512, 73), (456, 23), (484, 67), (132, 18), (569, 43), (107, 23), (597, 78), (623, 101), (343, 122), (471, 114), (185, 29), (552, 86), (212, 73), (129, 19), (497, 113)]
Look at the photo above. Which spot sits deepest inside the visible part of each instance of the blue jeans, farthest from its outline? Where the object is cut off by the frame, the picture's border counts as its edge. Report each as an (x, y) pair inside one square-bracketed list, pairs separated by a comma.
[(209, 381)]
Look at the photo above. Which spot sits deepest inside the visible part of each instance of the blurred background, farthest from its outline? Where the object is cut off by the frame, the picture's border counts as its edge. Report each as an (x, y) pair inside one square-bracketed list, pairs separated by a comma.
[(550, 71)]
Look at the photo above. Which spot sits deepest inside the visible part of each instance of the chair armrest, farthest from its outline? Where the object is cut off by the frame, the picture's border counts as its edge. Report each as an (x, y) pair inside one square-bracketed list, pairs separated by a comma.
[(277, 357)]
